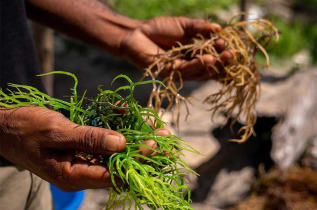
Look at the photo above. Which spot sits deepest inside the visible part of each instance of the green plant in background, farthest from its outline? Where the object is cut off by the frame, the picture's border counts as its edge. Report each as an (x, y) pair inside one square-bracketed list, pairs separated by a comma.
[(156, 181), (305, 5), (289, 43), (152, 8), (296, 36), (311, 37)]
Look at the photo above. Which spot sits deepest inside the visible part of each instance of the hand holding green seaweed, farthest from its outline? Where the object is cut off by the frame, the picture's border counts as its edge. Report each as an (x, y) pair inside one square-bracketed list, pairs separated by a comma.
[(157, 181), (44, 142)]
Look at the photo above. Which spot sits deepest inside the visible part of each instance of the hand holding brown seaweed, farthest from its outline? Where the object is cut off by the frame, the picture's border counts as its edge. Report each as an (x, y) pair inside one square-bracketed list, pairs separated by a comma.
[(239, 76)]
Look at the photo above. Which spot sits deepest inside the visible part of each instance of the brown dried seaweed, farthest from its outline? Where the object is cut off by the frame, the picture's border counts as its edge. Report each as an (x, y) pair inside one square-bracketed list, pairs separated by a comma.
[(240, 76)]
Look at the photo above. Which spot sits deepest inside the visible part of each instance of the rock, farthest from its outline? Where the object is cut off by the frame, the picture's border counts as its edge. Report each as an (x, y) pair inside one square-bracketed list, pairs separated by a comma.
[(313, 153), (310, 158), (230, 187), (298, 123), (217, 174)]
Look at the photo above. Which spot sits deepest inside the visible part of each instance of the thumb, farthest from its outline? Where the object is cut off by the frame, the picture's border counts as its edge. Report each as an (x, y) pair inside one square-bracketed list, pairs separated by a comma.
[(94, 140)]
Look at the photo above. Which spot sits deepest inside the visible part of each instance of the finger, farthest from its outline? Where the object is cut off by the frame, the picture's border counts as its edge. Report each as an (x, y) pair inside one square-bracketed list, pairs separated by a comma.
[(203, 66), (163, 131), (196, 69), (193, 27), (219, 66), (225, 57), (220, 45), (76, 174), (94, 140), (188, 69), (216, 27), (123, 105), (152, 143), (147, 152)]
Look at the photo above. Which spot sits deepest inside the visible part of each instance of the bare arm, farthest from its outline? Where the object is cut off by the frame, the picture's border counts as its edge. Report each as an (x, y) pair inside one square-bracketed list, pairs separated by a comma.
[(87, 20), (136, 41)]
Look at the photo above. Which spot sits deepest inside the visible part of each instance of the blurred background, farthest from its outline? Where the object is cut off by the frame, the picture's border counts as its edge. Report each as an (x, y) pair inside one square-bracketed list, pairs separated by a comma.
[(274, 170)]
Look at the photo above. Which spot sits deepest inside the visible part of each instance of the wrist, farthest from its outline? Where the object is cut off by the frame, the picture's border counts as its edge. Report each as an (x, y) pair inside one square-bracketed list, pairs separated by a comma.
[(116, 30), (88, 20)]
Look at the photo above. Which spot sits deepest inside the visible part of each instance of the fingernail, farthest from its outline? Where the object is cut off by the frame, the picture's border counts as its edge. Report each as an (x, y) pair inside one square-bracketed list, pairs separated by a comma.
[(112, 143), (216, 27)]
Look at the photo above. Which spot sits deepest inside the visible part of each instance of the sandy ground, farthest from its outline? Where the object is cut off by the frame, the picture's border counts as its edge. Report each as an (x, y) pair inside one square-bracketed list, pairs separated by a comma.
[(96, 199)]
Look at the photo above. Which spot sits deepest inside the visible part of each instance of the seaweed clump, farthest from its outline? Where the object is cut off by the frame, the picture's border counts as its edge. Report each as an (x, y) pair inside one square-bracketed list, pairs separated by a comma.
[(156, 181), (240, 77)]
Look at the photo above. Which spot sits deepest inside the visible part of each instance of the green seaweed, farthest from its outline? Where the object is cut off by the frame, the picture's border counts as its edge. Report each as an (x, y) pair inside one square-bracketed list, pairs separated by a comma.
[(156, 181)]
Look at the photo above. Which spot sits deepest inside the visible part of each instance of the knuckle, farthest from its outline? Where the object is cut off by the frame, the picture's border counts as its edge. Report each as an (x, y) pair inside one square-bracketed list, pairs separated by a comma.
[(54, 128), (66, 180), (60, 176), (53, 121), (89, 139)]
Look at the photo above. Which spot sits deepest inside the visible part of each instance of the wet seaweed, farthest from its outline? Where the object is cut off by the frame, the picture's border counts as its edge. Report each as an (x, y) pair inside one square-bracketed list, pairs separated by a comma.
[(156, 181)]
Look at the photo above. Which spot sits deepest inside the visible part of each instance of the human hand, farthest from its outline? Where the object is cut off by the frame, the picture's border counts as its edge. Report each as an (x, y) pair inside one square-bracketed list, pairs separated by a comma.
[(44, 142), (152, 143), (159, 34), (136, 41)]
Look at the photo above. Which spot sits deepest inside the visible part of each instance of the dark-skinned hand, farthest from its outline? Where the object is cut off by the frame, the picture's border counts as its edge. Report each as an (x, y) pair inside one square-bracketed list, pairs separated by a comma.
[(45, 142), (159, 34)]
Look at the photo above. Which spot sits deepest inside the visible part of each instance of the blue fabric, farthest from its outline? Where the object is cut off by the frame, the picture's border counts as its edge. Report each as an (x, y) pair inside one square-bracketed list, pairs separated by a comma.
[(65, 200)]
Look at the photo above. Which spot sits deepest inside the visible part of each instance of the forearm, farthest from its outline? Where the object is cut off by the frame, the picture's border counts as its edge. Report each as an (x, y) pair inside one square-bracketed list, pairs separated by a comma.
[(88, 20)]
